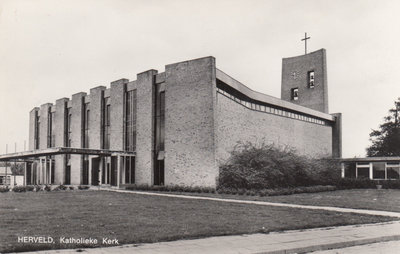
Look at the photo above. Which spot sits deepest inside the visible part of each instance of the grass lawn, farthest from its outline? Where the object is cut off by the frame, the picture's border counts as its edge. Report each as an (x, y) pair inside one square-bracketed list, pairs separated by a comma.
[(134, 218), (385, 200), (373, 199)]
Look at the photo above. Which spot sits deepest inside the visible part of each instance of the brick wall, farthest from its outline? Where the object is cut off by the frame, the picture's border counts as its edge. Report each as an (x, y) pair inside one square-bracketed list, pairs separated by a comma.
[(189, 123), (44, 109), (59, 134), (117, 114), (145, 126), (32, 128), (238, 123), (76, 136)]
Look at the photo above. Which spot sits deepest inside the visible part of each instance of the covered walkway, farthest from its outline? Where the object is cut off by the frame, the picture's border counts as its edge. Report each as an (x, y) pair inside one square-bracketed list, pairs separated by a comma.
[(39, 164)]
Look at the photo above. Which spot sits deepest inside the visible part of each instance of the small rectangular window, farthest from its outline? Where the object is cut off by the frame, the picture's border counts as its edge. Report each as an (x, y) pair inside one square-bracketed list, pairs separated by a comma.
[(295, 94), (311, 79)]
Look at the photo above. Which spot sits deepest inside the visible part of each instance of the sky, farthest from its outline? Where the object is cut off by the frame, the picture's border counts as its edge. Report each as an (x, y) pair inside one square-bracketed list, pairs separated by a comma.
[(51, 49)]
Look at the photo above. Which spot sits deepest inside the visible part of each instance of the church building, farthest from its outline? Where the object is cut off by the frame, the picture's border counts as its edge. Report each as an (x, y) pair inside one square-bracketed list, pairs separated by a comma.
[(176, 127)]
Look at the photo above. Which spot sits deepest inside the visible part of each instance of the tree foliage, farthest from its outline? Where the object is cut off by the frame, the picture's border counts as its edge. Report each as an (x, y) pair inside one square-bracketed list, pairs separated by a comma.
[(386, 140), (14, 168)]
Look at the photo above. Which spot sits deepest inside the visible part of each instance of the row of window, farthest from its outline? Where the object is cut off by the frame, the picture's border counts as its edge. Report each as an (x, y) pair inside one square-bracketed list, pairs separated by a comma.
[(378, 170), (272, 110), (105, 127)]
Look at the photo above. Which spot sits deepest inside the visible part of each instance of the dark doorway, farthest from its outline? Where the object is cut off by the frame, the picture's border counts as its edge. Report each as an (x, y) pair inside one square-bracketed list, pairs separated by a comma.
[(28, 169), (85, 170), (53, 170), (159, 172), (129, 170), (68, 174), (114, 170), (95, 171), (108, 173), (103, 171)]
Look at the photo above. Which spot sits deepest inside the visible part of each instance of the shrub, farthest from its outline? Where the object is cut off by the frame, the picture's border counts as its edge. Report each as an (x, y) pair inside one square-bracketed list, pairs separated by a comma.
[(71, 188), (47, 188), (30, 188), (365, 183), (19, 189), (391, 184), (4, 189), (171, 188), (60, 187), (83, 187), (267, 166), (38, 188), (207, 189)]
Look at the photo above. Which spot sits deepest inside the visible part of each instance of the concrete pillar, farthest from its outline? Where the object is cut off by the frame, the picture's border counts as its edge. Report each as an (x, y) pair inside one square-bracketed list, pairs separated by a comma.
[(371, 171), (25, 168), (386, 171), (45, 175), (356, 171), (337, 136), (101, 166), (119, 164), (40, 171), (342, 169), (90, 170), (50, 170)]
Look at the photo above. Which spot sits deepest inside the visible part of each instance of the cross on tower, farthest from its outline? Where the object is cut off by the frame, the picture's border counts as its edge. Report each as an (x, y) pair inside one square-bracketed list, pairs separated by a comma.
[(305, 42)]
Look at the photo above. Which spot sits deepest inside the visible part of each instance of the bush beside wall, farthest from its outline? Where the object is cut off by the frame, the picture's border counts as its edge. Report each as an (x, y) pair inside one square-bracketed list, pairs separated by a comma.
[(171, 188), (269, 167)]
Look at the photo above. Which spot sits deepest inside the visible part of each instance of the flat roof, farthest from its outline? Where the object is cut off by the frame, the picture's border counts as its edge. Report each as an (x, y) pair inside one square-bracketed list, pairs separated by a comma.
[(269, 99), (371, 159), (62, 150)]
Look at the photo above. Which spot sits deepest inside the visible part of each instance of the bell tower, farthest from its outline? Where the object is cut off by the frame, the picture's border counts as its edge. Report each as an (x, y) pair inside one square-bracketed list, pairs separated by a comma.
[(304, 80)]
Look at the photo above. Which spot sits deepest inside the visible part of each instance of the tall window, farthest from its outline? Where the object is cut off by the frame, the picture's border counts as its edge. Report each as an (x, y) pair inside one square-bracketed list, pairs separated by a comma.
[(69, 129), (37, 130), (68, 133), (311, 79), (294, 93), (160, 122), (85, 131), (106, 124), (49, 128), (86, 121), (130, 121), (159, 169)]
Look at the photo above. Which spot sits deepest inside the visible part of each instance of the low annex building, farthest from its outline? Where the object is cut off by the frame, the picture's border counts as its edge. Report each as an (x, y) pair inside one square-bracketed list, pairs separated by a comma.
[(176, 127)]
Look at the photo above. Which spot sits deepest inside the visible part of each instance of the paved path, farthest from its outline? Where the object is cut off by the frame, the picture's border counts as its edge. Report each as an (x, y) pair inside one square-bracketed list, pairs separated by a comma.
[(327, 208), (296, 241), (392, 247)]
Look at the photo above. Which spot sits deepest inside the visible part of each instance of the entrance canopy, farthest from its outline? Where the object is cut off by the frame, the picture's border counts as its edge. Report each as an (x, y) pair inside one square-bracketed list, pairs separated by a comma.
[(28, 155)]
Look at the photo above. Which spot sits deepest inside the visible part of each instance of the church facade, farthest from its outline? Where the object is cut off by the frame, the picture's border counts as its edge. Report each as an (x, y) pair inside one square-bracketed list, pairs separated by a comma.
[(176, 127)]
